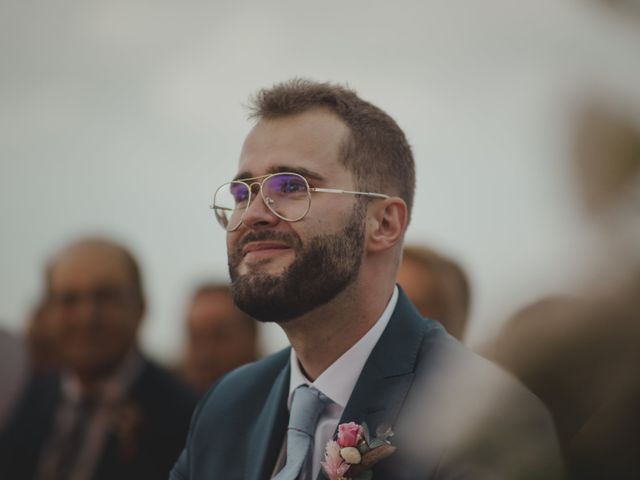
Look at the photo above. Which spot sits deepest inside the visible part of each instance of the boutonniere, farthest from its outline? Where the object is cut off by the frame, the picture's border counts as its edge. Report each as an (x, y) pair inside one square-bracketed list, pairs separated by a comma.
[(352, 454)]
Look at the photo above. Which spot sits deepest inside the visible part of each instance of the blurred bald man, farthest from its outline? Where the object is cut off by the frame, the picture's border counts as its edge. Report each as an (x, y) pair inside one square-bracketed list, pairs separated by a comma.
[(112, 413), (437, 286)]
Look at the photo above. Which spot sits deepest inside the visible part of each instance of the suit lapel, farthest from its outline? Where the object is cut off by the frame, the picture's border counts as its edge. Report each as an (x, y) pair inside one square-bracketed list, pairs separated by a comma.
[(267, 435), (389, 372)]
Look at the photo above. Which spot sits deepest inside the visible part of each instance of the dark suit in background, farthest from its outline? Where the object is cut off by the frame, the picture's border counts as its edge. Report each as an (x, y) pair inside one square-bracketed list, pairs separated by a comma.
[(142, 445)]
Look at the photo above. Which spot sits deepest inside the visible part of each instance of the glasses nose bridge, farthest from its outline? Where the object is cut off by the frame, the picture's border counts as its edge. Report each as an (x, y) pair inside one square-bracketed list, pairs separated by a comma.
[(255, 190), (255, 187)]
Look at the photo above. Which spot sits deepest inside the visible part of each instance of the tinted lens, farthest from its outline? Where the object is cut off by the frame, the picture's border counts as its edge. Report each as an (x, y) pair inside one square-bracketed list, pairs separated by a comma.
[(230, 201), (287, 195)]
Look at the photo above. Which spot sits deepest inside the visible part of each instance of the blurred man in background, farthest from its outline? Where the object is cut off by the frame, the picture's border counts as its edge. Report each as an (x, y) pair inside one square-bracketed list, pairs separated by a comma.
[(13, 372), (437, 286), (220, 337), (111, 413), (40, 338), (580, 354)]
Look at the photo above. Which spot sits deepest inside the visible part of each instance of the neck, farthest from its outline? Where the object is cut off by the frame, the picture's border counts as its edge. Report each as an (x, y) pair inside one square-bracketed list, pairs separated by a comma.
[(323, 335)]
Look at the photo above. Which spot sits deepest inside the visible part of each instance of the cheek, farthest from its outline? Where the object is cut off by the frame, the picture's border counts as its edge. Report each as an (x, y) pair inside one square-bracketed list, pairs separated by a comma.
[(329, 221), (232, 239), (125, 327), (63, 326), (115, 327)]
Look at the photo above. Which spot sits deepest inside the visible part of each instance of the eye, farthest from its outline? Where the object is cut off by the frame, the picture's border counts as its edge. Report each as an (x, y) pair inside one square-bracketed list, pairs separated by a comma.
[(284, 185), (239, 192), (108, 295), (66, 299), (293, 186), (288, 184)]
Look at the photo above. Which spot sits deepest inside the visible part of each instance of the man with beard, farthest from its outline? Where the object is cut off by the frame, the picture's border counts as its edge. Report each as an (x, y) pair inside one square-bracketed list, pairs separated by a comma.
[(315, 221)]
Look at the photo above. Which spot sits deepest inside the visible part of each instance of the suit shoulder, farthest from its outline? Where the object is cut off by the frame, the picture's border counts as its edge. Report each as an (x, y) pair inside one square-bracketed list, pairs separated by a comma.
[(253, 376), (28, 425), (158, 389), (251, 380), (455, 366), (154, 376), (39, 392)]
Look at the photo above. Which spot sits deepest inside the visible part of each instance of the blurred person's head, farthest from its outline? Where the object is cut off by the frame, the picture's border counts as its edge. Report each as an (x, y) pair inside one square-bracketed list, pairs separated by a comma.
[(95, 304), (41, 342), (219, 336), (437, 286), (606, 155), (606, 160)]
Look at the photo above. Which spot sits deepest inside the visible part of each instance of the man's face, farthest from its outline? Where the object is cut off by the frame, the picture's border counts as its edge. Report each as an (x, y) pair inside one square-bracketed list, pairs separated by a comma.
[(281, 270), (93, 309), (220, 339)]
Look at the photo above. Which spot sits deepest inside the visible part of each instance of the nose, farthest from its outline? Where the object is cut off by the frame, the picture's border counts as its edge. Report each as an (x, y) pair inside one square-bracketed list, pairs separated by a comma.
[(258, 215), (85, 310)]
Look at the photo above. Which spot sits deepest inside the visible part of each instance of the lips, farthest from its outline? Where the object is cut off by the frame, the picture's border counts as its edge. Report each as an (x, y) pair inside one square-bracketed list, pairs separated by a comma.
[(263, 248)]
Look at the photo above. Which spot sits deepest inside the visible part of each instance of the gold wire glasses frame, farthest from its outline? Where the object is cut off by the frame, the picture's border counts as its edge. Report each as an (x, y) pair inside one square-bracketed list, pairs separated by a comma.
[(288, 197)]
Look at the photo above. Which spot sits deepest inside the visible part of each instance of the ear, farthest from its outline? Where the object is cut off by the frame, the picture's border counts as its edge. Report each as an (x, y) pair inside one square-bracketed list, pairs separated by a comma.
[(386, 223)]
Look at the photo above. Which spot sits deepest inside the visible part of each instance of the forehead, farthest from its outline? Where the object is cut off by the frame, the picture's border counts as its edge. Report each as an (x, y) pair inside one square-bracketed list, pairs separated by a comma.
[(312, 140), (84, 267)]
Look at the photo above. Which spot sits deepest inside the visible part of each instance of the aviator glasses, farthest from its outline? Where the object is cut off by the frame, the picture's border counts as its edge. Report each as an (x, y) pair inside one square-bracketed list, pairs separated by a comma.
[(287, 195)]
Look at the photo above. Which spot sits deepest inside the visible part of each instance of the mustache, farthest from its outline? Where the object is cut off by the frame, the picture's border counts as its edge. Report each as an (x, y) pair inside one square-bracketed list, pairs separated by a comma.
[(288, 239)]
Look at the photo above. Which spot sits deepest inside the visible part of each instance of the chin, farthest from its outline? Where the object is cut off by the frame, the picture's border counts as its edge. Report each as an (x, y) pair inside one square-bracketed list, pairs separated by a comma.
[(270, 266)]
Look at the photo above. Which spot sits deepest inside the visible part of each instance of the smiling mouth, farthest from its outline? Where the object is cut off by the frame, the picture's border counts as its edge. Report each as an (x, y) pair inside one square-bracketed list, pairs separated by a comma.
[(257, 251)]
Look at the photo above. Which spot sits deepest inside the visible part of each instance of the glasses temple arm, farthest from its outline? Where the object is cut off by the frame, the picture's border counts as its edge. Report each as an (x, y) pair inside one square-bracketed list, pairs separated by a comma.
[(333, 190)]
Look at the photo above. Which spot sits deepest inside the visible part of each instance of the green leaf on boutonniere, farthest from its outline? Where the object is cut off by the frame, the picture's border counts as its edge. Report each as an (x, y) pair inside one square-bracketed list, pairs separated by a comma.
[(365, 432), (363, 448), (369, 459), (384, 431), (375, 443)]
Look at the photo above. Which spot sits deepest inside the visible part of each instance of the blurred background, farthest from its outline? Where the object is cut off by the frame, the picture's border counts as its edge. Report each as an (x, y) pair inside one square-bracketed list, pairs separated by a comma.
[(121, 118)]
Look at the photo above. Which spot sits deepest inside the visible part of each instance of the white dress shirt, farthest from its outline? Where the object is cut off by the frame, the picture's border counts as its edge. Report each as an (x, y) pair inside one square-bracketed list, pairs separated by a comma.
[(337, 383)]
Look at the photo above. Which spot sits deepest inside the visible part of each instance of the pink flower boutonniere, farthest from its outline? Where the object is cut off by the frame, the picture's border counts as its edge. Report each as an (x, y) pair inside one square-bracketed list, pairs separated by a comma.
[(354, 452)]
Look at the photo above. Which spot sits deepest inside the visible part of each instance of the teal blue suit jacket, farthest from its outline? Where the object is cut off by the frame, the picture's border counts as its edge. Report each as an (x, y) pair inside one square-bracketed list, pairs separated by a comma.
[(238, 429)]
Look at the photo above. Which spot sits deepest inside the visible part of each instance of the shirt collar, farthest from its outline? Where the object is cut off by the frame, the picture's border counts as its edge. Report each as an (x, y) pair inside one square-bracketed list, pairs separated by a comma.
[(339, 379)]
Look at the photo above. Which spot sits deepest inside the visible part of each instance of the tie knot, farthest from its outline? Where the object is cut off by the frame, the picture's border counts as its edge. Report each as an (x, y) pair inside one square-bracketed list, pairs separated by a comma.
[(306, 407)]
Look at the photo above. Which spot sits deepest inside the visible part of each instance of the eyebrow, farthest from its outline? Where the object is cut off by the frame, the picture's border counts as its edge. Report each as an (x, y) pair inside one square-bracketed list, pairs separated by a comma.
[(305, 172)]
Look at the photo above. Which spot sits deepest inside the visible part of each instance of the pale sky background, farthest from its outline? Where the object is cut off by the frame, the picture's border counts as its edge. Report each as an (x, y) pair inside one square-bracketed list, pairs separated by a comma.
[(122, 117)]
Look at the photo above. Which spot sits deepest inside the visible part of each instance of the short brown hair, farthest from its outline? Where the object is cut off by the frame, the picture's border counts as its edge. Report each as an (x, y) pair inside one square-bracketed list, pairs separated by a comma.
[(376, 152)]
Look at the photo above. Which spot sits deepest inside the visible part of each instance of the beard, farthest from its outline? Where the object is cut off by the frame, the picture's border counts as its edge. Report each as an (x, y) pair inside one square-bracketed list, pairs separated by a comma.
[(322, 268)]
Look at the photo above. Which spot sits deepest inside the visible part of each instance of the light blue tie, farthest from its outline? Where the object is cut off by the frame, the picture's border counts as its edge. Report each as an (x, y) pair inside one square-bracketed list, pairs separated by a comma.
[(306, 407)]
